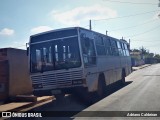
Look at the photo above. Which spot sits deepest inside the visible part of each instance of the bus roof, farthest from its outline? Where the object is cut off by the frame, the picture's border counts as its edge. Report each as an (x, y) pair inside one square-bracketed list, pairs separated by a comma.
[(69, 28), (55, 30)]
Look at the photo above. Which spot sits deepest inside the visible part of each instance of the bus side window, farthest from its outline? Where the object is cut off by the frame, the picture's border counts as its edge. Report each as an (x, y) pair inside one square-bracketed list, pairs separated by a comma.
[(119, 48), (88, 49), (108, 46), (126, 50), (100, 45), (114, 48), (121, 44)]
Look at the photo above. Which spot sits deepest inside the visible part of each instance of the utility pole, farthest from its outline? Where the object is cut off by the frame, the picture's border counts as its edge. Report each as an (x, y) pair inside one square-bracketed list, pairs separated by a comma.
[(129, 44), (159, 6), (90, 25), (106, 32)]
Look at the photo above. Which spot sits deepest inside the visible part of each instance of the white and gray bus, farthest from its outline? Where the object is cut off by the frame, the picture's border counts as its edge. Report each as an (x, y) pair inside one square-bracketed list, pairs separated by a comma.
[(65, 60)]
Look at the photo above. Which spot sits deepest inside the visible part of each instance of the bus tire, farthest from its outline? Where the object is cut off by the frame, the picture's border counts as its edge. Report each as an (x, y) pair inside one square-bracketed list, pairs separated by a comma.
[(59, 96), (123, 77), (101, 87)]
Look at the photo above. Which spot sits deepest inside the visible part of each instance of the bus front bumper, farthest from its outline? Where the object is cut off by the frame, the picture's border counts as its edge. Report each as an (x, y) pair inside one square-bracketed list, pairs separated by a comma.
[(71, 90)]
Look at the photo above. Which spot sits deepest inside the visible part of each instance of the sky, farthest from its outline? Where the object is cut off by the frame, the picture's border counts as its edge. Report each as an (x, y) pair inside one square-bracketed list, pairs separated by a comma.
[(136, 20)]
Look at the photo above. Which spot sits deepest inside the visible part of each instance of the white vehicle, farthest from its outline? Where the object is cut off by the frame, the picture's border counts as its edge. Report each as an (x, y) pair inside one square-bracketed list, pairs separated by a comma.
[(65, 60)]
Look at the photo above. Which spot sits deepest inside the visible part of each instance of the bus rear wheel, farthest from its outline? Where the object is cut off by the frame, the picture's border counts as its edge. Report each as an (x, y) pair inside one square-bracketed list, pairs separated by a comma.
[(123, 77)]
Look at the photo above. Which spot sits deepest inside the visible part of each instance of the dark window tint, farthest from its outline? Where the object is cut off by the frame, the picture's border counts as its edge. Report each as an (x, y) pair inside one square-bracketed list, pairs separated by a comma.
[(108, 46), (100, 46), (88, 50), (58, 54), (53, 35), (119, 48), (114, 47)]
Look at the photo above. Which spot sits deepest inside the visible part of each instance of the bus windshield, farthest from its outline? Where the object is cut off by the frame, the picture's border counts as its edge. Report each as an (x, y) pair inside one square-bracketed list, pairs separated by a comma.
[(55, 55)]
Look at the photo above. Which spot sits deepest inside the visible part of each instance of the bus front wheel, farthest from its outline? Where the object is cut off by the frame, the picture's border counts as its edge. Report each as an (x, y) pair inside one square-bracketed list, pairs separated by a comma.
[(59, 96), (101, 87)]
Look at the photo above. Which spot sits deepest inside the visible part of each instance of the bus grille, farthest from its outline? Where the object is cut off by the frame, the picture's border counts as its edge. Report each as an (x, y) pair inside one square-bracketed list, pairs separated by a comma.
[(57, 80)]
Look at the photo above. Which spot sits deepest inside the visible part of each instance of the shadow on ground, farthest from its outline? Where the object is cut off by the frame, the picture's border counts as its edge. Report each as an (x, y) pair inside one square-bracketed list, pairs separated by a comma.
[(70, 105)]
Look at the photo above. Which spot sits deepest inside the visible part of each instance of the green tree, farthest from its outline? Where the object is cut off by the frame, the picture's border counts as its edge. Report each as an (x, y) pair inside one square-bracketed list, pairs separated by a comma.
[(157, 57), (135, 50)]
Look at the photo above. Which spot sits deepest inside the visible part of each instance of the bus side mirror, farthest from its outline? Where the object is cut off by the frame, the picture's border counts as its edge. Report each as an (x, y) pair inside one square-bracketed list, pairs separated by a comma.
[(27, 46), (27, 51)]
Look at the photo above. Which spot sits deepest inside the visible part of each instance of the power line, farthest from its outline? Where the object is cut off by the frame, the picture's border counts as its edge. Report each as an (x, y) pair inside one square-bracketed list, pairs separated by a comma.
[(133, 26), (130, 2), (143, 32), (126, 16), (153, 45), (144, 41), (152, 39)]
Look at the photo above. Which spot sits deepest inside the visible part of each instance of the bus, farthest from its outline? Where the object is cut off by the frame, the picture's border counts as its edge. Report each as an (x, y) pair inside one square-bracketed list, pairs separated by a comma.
[(69, 59)]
